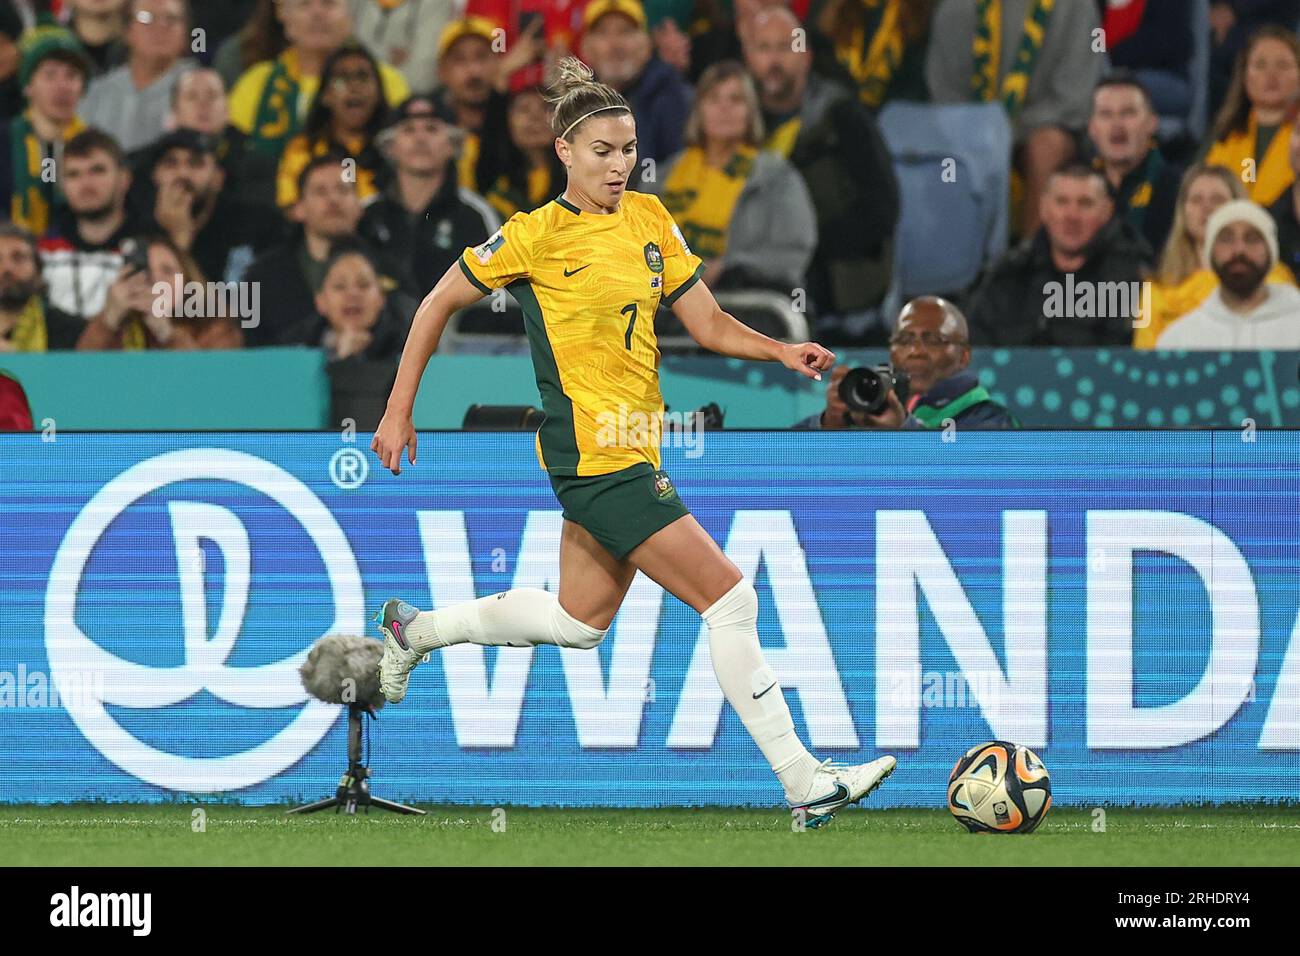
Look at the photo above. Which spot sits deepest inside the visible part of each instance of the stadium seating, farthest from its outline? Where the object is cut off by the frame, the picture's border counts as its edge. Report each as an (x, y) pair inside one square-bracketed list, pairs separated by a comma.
[(965, 203)]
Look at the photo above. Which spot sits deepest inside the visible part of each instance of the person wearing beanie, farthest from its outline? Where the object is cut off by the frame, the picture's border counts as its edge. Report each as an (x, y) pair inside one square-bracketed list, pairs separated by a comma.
[(53, 77), (1247, 311)]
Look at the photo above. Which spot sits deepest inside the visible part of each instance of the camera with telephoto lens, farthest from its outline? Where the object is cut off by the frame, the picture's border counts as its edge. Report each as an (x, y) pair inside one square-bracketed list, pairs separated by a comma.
[(867, 389)]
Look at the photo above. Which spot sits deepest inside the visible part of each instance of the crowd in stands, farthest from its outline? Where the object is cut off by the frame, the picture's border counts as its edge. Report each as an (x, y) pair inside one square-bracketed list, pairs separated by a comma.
[(342, 153)]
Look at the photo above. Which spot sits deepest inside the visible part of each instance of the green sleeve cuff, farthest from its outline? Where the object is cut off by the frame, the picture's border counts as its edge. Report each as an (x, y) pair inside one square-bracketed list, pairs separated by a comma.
[(677, 293), (471, 277)]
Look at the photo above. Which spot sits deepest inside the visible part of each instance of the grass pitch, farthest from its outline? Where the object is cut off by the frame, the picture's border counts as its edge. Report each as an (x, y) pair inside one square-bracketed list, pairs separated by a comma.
[(165, 835)]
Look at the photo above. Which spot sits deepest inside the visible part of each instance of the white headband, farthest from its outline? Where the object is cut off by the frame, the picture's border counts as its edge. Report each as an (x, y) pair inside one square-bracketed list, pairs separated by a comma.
[(585, 115)]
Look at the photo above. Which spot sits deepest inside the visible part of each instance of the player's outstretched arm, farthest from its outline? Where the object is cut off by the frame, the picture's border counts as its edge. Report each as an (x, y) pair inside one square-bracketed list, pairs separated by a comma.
[(721, 332), (396, 431)]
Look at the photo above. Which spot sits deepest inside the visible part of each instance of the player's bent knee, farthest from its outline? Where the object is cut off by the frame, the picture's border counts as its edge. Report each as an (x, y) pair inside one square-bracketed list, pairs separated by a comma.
[(568, 631), (737, 608)]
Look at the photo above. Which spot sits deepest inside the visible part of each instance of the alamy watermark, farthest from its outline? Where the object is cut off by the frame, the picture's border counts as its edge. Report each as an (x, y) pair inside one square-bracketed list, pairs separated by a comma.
[(179, 299), (1098, 300), (633, 428)]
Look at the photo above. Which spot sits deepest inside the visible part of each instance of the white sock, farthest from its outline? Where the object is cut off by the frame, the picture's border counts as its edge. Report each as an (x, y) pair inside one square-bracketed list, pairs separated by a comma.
[(515, 618), (751, 687)]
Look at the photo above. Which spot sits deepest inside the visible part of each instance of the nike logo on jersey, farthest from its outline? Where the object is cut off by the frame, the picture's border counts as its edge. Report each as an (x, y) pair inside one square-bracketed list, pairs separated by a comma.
[(762, 692), (567, 273)]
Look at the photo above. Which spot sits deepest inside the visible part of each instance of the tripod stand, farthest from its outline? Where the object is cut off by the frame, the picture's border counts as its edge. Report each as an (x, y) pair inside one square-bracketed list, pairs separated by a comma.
[(354, 787)]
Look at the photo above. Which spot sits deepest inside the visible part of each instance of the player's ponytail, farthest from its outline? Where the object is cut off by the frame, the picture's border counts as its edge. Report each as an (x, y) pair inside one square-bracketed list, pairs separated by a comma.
[(576, 96)]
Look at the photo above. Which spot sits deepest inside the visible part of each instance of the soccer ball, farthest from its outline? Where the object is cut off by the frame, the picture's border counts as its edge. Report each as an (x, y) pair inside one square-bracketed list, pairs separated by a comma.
[(999, 787)]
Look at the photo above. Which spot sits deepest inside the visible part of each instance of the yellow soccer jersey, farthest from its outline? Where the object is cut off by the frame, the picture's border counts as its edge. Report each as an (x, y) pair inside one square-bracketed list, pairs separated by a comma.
[(589, 286)]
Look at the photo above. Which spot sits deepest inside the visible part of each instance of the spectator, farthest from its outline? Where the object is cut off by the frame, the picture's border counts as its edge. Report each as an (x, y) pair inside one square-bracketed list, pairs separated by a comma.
[(474, 84), (261, 38), (1286, 211), (405, 33), (328, 211), (1028, 297), (619, 51), (83, 253), (425, 216), (132, 101), (199, 103), (932, 345), (355, 316), (1232, 25), (834, 144), (533, 173), (1044, 84), (134, 316), (744, 211), (15, 410), (1254, 127), (189, 205), (345, 117), (11, 60), (220, 21), (28, 323), (725, 25), (467, 70), (1184, 278), (1247, 311), (100, 25), (878, 44), (1152, 40), (271, 99), (53, 78), (1122, 130)]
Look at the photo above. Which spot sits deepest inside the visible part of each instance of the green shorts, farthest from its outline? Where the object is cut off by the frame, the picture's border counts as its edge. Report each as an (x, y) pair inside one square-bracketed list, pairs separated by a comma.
[(623, 508)]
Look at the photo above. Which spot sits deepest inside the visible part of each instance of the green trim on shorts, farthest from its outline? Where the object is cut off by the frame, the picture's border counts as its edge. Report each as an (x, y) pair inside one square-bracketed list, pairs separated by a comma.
[(621, 509)]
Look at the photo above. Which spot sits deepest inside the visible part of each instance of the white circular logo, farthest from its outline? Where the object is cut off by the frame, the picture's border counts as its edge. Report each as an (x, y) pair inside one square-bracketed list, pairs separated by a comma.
[(128, 684), (349, 469)]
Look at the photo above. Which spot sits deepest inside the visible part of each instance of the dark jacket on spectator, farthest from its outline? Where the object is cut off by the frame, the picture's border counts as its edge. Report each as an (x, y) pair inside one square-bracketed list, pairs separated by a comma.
[(1010, 306), (1163, 40), (286, 290), (849, 174), (661, 101), (1288, 231), (1150, 212), (1250, 16), (287, 277), (433, 240)]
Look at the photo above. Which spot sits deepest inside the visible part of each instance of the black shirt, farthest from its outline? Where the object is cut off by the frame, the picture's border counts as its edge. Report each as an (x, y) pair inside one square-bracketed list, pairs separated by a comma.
[(432, 240)]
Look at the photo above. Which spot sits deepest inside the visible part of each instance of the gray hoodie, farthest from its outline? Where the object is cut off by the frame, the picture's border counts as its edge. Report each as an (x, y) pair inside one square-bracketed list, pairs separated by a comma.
[(1274, 324), (773, 229), (1067, 69)]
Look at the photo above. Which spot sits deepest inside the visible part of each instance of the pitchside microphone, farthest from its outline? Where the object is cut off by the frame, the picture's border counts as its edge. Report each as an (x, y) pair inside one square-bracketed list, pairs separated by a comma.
[(344, 669)]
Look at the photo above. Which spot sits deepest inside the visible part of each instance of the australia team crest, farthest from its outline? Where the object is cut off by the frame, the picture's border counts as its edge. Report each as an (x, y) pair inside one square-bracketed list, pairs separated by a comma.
[(653, 257)]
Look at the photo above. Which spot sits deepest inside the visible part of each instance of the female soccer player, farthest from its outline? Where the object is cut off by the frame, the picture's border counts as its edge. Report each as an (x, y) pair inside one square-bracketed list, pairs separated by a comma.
[(589, 270)]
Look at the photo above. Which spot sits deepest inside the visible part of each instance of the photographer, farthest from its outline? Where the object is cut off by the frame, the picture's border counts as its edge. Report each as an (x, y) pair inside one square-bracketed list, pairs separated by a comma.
[(931, 347)]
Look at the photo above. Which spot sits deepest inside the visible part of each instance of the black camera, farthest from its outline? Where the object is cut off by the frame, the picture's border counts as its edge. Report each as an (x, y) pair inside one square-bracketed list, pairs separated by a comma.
[(867, 389)]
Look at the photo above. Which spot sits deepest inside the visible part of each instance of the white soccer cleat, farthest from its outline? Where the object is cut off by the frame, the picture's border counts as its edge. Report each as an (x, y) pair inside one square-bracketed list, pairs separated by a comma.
[(835, 786), (399, 658)]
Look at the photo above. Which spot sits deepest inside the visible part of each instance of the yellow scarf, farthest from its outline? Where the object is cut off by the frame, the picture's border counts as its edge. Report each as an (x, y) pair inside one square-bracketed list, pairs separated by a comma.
[(30, 333), (702, 198), (873, 65), (33, 195), (782, 139), (987, 48)]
